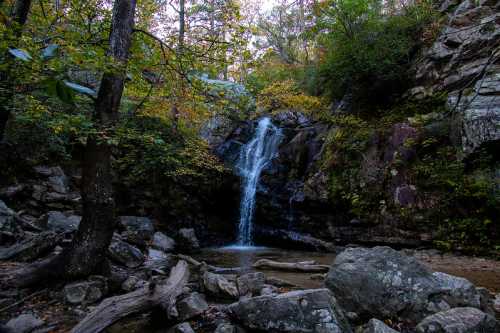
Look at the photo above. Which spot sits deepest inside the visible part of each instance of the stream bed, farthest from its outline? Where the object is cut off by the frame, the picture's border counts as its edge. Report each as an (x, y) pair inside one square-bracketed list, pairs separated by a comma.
[(480, 271)]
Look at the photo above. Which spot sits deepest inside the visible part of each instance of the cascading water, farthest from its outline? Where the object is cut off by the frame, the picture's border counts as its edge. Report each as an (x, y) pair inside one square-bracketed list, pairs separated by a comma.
[(254, 157)]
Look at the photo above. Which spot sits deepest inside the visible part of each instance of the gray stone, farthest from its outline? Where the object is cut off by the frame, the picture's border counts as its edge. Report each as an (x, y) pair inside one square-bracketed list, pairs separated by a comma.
[(125, 253), (298, 311), (459, 320), (188, 240), (191, 306), (132, 283), (162, 242), (86, 292), (377, 326), (381, 282), (228, 328), (217, 285), (251, 283), (61, 222), (269, 290), (181, 328), (159, 261), (138, 230), (7, 219), (25, 323)]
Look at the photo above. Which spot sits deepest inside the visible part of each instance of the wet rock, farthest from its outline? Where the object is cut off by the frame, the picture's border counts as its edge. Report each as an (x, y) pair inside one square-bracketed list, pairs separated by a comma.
[(191, 306), (187, 240), (181, 328), (251, 283), (162, 242), (138, 230), (61, 222), (458, 320), (377, 326), (86, 292), (381, 282), (217, 285), (298, 311), (125, 254), (25, 323)]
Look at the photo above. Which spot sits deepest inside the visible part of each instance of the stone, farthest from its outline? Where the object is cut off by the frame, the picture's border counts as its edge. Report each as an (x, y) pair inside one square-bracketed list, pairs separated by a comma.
[(268, 289), (8, 224), (85, 292), (191, 306), (181, 328), (138, 230), (125, 254), (381, 282), (217, 285), (132, 283), (61, 222), (188, 240), (162, 242), (458, 320), (159, 261), (24, 323), (251, 283), (228, 328), (377, 326), (313, 310)]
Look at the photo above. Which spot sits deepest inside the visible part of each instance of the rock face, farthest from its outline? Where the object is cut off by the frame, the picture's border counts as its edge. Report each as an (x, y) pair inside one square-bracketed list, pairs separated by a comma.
[(461, 62), (459, 320), (299, 311), (381, 282)]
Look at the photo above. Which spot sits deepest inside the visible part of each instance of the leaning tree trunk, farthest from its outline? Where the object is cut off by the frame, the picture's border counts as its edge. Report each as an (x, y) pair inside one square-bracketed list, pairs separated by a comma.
[(18, 18), (86, 255)]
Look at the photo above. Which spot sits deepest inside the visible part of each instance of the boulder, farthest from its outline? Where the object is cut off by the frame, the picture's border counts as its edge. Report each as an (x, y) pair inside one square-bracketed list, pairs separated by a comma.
[(181, 328), (218, 286), (191, 306), (382, 282), (251, 283), (138, 230), (8, 225), (187, 240), (86, 292), (459, 320), (162, 242), (24, 323), (377, 326), (125, 254), (61, 222), (228, 328), (298, 311)]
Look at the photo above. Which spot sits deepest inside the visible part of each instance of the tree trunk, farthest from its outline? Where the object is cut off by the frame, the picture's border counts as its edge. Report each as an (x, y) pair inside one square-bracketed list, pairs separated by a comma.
[(87, 253), (18, 18), (88, 250)]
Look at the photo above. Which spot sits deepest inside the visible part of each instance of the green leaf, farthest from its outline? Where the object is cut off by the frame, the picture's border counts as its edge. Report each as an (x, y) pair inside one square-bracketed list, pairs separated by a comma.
[(81, 89), (64, 93), (50, 51), (20, 54)]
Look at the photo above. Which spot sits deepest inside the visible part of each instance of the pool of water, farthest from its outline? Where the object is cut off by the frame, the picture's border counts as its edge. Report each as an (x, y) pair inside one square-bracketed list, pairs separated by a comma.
[(482, 272)]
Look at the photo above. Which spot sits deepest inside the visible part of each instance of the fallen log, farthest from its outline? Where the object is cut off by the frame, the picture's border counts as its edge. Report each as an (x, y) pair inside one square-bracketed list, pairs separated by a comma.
[(163, 293), (31, 248), (213, 269), (305, 267)]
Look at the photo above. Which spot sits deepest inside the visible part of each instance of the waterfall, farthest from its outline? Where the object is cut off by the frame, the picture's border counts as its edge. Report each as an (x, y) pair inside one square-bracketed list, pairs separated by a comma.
[(254, 157)]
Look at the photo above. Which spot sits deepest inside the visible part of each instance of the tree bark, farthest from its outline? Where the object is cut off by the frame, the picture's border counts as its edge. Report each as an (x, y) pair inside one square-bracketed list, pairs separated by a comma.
[(18, 18), (112, 309)]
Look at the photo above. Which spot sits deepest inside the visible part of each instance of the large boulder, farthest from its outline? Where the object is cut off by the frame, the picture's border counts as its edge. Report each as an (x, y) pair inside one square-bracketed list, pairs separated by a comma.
[(138, 230), (298, 311), (459, 320), (382, 282), (125, 254)]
